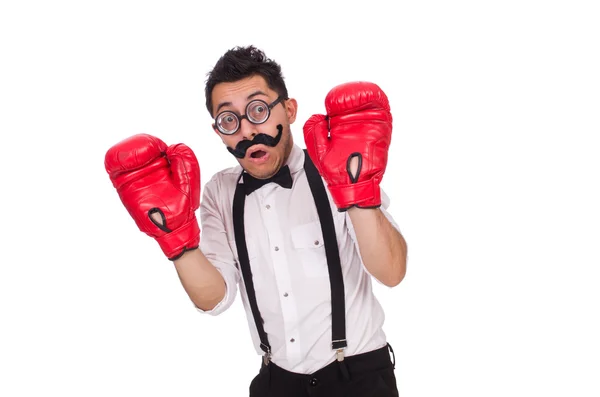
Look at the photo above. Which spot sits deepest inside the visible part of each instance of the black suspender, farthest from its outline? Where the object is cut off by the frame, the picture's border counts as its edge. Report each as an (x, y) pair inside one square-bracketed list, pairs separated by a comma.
[(338, 304), (239, 201), (338, 307)]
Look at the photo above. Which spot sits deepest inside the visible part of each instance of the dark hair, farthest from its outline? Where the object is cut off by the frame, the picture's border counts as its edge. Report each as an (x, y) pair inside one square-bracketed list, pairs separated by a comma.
[(239, 63)]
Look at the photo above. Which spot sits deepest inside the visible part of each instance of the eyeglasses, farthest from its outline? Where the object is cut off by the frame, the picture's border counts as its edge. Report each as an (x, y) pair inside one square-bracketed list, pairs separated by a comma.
[(257, 112)]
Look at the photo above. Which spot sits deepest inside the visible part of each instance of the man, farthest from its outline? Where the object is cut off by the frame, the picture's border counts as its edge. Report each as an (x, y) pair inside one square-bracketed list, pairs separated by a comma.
[(301, 233)]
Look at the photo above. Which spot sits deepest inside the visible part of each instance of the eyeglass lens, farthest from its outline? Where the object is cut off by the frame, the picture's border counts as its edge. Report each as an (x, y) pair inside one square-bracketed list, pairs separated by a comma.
[(257, 112)]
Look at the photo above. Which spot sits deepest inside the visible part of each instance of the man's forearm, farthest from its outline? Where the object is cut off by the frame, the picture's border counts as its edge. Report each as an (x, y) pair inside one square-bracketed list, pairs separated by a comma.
[(203, 283), (382, 247)]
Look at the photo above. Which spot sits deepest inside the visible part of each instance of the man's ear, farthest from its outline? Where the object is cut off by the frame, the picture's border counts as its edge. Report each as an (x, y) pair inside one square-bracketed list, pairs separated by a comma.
[(291, 108)]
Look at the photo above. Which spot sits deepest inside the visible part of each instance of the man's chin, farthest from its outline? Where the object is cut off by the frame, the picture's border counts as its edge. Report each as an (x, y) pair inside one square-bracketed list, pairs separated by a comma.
[(260, 169)]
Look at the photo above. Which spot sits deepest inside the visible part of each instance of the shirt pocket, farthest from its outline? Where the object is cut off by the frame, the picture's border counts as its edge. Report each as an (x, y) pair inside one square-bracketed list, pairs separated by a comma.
[(308, 245)]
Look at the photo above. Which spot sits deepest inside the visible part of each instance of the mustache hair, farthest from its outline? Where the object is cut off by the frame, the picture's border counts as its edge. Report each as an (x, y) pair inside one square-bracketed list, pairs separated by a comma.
[(262, 139)]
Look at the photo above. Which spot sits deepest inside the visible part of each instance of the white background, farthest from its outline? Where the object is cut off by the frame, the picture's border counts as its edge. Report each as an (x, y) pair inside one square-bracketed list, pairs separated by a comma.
[(493, 177)]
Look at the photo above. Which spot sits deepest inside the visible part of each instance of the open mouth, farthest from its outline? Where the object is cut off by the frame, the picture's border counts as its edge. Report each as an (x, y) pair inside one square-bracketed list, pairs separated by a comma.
[(258, 154)]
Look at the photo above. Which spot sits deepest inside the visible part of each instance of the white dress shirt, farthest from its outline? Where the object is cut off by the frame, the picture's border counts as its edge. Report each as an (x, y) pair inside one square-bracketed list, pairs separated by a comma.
[(289, 268)]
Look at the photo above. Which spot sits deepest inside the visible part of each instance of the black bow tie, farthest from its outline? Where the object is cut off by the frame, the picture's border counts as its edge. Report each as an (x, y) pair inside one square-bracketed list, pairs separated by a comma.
[(282, 178)]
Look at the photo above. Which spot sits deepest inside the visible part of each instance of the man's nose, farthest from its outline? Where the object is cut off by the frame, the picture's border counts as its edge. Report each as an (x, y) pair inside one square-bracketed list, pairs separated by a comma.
[(247, 129)]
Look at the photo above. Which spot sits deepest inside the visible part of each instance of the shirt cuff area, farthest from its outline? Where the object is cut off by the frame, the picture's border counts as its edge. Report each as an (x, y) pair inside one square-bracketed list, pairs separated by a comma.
[(225, 303)]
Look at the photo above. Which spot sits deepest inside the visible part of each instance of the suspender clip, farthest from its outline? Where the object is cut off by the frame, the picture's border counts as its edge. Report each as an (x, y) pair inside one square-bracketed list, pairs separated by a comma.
[(340, 354), (343, 367), (267, 358), (339, 345)]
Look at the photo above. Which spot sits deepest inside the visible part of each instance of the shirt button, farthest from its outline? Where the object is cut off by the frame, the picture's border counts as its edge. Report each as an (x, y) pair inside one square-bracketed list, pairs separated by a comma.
[(267, 206), (276, 248), (316, 242), (285, 294), (313, 382), (292, 340)]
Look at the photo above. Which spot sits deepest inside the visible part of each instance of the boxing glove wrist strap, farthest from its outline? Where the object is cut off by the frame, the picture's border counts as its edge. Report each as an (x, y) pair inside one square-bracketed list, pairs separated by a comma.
[(366, 194), (177, 242)]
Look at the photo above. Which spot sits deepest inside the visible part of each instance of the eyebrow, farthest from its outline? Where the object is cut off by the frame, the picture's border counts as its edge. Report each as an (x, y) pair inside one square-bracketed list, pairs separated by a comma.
[(255, 93)]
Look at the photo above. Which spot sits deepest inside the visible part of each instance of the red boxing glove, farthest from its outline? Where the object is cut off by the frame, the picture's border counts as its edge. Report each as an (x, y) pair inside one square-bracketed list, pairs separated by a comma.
[(160, 188), (358, 124)]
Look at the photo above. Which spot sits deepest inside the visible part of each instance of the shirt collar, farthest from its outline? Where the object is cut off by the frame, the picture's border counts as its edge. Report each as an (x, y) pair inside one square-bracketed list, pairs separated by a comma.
[(296, 159)]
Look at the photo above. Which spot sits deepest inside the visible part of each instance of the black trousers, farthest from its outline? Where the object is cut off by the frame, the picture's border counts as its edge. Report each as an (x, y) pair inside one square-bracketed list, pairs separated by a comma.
[(366, 375)]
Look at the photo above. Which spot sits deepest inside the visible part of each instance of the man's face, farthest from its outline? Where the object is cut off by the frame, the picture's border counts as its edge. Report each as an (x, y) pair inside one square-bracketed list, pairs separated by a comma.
[(261, 161)]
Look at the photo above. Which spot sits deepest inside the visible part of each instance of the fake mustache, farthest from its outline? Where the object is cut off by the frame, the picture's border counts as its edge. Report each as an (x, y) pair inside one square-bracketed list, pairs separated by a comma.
[(262, 139)]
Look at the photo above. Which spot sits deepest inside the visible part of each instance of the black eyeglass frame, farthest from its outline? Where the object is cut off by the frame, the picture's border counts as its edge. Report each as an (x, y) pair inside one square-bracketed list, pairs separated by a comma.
[(245, 115)]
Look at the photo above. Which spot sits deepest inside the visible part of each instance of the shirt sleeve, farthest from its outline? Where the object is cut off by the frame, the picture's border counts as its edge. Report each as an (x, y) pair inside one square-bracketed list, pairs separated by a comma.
[(385, 203), (215, 246)]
